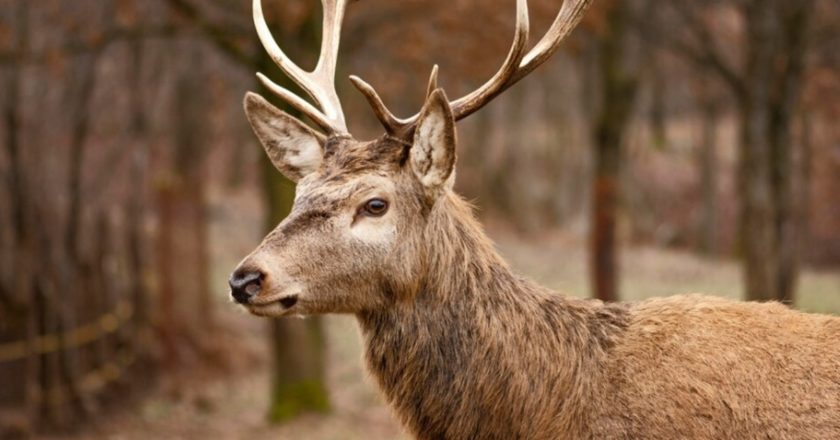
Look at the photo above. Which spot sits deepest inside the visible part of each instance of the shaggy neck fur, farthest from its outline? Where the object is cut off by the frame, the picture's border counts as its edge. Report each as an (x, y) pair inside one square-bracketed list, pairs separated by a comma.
[(467, 355)]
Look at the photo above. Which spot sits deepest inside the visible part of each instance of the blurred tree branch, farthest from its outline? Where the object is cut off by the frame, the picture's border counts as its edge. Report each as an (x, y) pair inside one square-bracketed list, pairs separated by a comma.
[(222, 35), (707, 52), (772, 47), (218, 34), (703, 52), (363, 25), (82, 47)]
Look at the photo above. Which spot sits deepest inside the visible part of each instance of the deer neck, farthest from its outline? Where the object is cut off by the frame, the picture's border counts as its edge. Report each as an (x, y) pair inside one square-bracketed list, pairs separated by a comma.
[(462, 263), (463, 272)]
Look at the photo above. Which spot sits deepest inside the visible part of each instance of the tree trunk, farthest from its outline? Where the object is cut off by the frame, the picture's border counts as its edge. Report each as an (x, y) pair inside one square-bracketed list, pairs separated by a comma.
[(769, 229), (757, 214), (168, 326), (136, 209), (657, 109), (185, 296), (805, 171), (604, 264), (757, 223), (22, 297), (708, 161), (70, 272), (794, 20), (618, 89), (190, 168)]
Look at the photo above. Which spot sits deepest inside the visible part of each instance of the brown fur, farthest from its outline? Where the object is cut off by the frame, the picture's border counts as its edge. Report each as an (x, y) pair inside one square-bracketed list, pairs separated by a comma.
[(465, 349), (482, 353)]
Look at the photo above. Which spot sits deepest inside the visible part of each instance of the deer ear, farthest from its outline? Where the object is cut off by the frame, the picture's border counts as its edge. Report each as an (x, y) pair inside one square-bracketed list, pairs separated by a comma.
[(295, 149), (433, 152)]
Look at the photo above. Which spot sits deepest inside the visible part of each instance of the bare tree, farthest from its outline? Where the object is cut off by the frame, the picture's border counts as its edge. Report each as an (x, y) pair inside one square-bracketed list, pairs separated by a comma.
[(765, 77), (618, 80), (707, 159)]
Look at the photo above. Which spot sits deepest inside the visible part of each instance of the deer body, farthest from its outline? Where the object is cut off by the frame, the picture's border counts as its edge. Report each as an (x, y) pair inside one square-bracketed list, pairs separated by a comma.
[(465, 349), (484, 354)]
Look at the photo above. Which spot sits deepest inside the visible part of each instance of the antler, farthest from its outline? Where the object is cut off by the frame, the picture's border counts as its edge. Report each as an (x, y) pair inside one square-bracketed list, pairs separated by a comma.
[(516, 66), (319, 83)]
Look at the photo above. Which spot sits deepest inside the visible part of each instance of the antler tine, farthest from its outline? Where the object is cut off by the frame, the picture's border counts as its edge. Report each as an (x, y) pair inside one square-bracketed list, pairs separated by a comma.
[(468, 103), (498, 83), (318, 84), (567, 19), (393, 125), (433, 82), (516, 66), (333, 19), (509, 74)]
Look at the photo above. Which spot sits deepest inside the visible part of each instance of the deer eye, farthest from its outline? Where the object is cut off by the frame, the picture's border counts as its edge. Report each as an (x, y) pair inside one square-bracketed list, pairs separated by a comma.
[(375, 208)]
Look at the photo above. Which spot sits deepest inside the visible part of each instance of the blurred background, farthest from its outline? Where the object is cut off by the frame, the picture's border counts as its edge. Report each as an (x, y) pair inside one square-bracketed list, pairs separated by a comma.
[(669, 147)]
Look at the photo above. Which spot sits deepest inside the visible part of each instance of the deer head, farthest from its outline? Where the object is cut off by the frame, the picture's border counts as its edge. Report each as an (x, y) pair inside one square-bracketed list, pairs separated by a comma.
[(356, 238)]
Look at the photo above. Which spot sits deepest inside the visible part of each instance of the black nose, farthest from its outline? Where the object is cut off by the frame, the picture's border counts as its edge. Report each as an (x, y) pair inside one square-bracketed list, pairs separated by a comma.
[(245, 284)]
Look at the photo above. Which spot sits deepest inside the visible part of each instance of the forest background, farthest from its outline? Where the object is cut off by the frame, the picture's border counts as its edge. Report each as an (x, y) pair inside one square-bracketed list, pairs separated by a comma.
[(669, 147)]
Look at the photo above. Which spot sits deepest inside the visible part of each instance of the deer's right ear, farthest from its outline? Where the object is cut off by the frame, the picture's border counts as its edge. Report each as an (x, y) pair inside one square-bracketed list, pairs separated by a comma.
[(295, 149), (433, 153)]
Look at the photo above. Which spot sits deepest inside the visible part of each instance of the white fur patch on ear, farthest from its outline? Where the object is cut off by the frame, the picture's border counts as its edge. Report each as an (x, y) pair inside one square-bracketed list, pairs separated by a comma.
[(294, 149), (433, 152)]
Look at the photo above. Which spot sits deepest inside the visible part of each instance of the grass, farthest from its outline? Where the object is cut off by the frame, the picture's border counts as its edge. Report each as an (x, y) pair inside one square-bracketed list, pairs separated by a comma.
[(645, 272)]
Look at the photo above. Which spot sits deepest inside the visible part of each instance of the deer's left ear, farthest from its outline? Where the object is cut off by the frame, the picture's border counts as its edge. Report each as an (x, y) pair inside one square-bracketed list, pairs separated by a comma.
[(295, 149), (433, 153)]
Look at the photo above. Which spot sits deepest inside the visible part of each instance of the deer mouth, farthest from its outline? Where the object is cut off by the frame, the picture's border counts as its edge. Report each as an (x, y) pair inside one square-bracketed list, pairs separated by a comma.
[(288, 301), (273, 307)]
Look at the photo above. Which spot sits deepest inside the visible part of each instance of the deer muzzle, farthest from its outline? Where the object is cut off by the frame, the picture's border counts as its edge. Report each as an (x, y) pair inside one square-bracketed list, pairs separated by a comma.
[(245, 284)]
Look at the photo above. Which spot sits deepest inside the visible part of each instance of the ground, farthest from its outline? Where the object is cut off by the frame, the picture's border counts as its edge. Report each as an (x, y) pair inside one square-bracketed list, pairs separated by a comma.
[(233, 406)]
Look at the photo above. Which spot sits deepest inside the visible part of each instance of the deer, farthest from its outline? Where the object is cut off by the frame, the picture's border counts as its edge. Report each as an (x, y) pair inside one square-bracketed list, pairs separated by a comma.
[(460, 345)]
